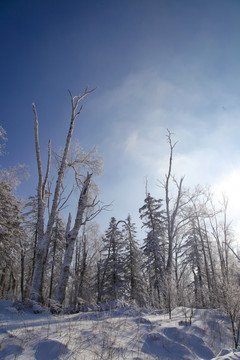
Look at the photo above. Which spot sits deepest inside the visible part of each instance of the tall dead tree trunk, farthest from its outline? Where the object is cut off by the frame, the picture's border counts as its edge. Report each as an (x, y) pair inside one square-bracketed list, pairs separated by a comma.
[(71, 236), (173, 225), (83, 268), (43, 237)]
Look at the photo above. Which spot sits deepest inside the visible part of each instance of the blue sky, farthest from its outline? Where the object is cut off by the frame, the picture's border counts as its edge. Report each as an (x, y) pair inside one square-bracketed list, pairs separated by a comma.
[(157, 64)]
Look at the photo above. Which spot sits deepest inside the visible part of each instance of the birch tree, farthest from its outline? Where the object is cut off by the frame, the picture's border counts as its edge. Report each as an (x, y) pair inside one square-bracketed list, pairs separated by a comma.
[(3, 139), (71, 236), (44, 234)]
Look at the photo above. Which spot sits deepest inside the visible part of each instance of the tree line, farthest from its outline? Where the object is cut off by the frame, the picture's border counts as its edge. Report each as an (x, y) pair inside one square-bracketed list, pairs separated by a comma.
[(186, 258)]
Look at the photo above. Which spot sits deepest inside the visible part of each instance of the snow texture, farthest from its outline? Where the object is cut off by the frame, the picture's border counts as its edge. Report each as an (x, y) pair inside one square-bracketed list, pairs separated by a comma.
[(119, 333)]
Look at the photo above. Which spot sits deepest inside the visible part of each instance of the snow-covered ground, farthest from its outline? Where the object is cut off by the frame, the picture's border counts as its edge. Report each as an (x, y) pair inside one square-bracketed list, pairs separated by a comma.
[(123, 333)]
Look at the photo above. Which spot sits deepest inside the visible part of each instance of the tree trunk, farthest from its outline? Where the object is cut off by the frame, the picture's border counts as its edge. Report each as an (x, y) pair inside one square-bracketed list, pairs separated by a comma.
[(44, 238), (52, 267), (71, 236), (82, 269), (22, 274)]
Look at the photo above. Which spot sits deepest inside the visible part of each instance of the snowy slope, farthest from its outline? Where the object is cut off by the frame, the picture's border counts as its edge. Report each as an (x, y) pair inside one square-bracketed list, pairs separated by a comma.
[(124, 333)]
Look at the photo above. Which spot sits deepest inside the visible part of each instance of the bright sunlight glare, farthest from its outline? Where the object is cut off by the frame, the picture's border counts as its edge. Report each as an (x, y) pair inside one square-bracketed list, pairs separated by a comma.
[(229, 187)]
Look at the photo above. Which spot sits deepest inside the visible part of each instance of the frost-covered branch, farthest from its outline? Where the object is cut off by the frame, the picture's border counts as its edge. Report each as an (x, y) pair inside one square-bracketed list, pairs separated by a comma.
[(3, 138), (44, 237)]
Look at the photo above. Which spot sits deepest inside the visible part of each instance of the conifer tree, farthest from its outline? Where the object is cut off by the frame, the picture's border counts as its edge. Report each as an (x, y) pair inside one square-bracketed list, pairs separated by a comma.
[(112, 264), (154, 245), (133, 272), (11, 233)]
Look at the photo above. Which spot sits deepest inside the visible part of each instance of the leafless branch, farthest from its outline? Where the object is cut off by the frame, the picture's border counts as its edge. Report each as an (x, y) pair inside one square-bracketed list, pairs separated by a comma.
[(48, 169), (62, 206)]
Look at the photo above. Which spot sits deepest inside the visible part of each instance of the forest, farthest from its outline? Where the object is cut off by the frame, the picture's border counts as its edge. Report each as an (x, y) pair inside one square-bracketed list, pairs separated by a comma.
[(188, 256)]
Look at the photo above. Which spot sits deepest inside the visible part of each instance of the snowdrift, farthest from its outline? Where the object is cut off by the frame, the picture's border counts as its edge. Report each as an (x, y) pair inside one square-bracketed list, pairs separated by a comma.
[(120, 333)]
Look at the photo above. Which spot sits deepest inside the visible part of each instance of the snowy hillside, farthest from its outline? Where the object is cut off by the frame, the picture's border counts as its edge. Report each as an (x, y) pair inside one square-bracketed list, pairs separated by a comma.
[(125, 333)]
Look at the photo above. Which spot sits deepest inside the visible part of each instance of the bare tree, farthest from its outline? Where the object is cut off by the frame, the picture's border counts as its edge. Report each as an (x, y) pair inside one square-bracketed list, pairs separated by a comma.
[(71, 235), (44, 236), (176, 219), (3, 139)]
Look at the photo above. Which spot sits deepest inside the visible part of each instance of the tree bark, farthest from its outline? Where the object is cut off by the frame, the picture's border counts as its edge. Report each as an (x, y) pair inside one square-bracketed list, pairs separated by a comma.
[(71, 236), (44, 237)]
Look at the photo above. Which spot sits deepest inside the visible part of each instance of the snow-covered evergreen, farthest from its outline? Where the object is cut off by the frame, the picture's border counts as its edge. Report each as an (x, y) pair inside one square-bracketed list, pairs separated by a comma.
[(112, 284), (154, 247)]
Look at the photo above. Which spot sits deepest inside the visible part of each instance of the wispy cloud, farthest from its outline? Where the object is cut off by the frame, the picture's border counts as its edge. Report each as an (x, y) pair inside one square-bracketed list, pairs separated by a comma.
[(136, 114)]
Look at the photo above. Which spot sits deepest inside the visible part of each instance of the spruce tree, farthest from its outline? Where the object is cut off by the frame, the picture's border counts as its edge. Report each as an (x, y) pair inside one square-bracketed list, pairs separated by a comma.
[(133, 272), (111, 280), (154, 246)]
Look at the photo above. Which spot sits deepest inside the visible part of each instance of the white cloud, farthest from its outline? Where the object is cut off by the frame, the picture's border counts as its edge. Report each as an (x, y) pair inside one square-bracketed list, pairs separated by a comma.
[(229, 186), (204, 122)]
